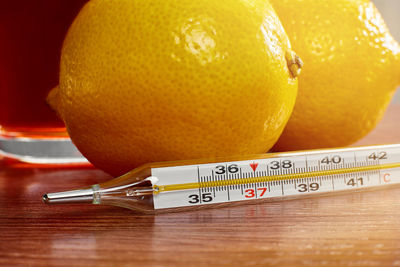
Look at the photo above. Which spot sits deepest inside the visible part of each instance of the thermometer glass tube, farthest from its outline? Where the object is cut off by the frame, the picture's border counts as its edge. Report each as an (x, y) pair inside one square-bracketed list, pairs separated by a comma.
[(196, 183)]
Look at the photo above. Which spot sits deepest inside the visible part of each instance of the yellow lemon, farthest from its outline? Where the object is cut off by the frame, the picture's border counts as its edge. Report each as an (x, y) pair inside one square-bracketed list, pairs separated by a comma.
[(145, 81), (351, 70)]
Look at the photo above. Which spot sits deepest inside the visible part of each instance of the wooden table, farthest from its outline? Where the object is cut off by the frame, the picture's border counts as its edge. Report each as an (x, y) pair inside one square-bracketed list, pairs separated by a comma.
[(353, 229)]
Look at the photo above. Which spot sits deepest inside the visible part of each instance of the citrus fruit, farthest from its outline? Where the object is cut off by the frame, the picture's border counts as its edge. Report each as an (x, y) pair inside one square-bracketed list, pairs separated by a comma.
[(145, 81), (351, 70)]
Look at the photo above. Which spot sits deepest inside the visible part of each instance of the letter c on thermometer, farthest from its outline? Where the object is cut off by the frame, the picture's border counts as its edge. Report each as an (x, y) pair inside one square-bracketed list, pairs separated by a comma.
[(386, 178)]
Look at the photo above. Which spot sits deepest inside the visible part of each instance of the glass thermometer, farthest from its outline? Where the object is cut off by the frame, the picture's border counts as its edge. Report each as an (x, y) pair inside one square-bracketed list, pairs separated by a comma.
[(197, 183)]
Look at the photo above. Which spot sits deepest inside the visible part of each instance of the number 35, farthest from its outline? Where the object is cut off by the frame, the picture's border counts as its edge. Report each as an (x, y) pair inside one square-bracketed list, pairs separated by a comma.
[(195, 198)]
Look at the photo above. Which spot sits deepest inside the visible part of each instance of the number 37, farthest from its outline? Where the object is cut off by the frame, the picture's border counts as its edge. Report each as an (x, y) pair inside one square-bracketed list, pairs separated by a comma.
[(250, 193)]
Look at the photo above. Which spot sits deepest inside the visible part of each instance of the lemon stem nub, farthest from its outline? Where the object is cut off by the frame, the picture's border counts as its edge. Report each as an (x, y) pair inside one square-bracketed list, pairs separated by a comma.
[(53, 100), (294, 63)]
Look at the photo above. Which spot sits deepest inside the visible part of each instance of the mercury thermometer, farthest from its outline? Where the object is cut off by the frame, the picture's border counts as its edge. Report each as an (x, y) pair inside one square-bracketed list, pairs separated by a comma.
[(198, 183)]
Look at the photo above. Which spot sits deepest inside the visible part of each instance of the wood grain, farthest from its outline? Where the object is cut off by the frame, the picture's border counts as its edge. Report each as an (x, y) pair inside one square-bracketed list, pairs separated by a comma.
[(353, 229)]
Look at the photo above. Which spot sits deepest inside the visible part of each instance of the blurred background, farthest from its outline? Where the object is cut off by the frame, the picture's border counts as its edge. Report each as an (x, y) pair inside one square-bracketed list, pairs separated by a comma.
[(390, 10)]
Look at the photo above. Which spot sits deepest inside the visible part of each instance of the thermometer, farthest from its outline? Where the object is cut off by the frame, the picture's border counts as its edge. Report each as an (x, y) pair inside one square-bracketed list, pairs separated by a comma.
[(197, 183)]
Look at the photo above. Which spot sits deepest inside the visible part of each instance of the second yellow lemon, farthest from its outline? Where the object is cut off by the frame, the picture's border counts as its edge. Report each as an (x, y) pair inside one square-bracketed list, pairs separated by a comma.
[(145, 81), (351, 70)]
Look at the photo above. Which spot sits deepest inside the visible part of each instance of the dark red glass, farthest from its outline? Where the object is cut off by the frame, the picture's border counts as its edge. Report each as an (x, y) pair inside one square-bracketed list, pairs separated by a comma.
[(31, 37)]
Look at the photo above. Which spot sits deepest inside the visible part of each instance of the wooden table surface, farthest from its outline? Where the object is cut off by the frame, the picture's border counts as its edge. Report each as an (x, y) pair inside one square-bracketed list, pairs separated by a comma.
[(352, 229)]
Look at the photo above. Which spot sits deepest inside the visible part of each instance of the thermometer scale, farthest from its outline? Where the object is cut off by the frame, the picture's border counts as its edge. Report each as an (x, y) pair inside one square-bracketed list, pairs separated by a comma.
[(196, 183)]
